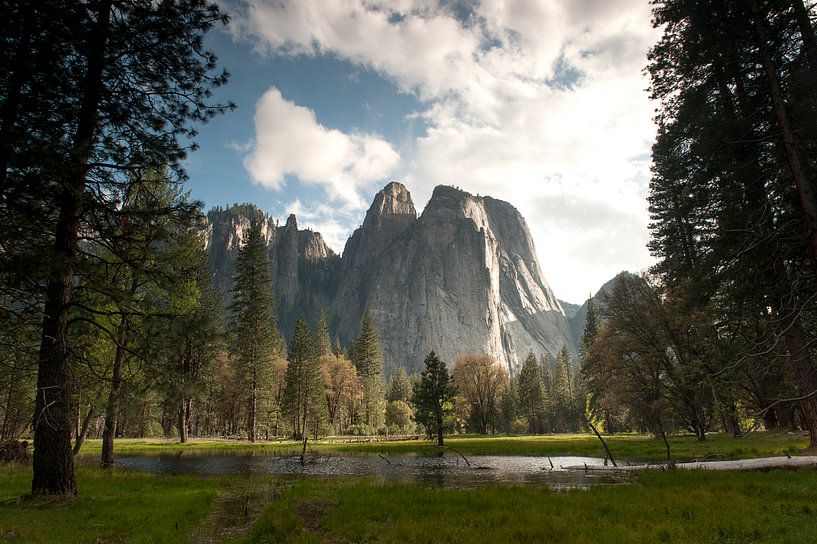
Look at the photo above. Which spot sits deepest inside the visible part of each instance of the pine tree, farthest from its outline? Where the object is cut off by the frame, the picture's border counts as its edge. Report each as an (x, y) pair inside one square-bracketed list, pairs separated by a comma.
[(562, 398), (530, 394), (369, 363), (337, 348), (399, 386), (433, 397), (734, 213), (304, 397), (91, 91), (256, 335), (322, 340)]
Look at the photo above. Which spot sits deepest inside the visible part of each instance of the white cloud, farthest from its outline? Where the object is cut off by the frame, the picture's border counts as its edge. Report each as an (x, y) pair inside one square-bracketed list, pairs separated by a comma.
[(535, 102), (290, 141)]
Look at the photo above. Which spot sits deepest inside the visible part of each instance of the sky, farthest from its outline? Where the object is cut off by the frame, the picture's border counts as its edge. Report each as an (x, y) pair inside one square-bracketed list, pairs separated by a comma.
[(540, 103)]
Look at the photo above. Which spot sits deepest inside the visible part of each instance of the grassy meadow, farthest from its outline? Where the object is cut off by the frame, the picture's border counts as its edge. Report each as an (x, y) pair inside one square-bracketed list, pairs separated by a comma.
[(683, 506), (120, 506)]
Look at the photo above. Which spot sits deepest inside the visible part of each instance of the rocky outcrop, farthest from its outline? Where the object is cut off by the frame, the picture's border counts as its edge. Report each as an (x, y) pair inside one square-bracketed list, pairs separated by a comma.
[(461, 278), (304, 270)]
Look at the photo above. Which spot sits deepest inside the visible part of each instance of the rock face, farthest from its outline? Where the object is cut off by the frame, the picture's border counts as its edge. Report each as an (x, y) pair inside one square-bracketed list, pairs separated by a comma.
[(303, 268), (461, 278)]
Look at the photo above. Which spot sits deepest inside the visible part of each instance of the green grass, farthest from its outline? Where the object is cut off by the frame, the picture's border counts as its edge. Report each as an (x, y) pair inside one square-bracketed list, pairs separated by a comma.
[(694, 507), (631, 447), (683, 506), (112, 507)]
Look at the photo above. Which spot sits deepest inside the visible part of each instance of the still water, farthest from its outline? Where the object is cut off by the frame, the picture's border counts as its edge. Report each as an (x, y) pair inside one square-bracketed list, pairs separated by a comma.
[(447, 471)]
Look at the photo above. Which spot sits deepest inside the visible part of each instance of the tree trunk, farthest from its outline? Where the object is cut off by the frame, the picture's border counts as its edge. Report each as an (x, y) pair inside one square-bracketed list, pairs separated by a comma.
[(112, 409), (807, 33), (253, 407), (182, 422), (83, 431), (805, 191), (188, 415), (440, 432), (53, 462)]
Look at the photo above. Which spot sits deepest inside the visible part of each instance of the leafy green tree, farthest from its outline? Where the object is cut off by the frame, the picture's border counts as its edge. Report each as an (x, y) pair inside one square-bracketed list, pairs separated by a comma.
[(433, 397), (399, 414), (399, 386), (93, 91), (342, 388), (481, 383), (304, 395), (530, 394), (369, 362), (254, 325)]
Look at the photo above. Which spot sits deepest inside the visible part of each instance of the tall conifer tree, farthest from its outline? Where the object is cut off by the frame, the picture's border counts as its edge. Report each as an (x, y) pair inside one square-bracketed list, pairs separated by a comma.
[(369, 362), (304, 399), (254, 324)]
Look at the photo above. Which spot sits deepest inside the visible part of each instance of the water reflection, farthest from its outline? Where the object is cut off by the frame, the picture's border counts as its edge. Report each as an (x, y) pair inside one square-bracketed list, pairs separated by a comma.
[(445, 471)]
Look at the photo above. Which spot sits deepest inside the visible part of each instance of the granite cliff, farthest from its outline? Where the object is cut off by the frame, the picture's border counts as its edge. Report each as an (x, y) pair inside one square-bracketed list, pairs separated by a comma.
[(461, 278)]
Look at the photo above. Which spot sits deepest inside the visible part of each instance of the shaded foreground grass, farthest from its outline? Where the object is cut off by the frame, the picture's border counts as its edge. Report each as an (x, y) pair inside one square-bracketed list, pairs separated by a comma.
[(695, 507), (112, 506), (631, 447)]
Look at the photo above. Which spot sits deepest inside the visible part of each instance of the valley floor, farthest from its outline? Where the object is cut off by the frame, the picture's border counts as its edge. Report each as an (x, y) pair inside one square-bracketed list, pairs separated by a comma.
[(119, 506), (623, 446)]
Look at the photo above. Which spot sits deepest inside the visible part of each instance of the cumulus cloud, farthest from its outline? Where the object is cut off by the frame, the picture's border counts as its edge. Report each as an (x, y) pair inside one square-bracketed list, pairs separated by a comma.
[(530, 101), (333, 224), (290, 141)]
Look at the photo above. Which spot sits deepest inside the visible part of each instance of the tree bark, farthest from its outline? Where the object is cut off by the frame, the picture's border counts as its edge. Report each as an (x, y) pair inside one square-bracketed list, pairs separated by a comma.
[(112, 408), (182, 422), (440, 432), (53, 462), (253, 407), (807, 33), (805, 191)]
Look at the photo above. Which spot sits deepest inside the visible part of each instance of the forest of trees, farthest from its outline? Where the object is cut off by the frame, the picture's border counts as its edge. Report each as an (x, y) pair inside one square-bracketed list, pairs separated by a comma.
[(109, 326)]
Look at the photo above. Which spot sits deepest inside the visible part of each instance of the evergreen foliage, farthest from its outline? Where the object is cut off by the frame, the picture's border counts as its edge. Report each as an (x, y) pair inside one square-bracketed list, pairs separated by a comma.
[(433, 397), (256, 340), (304, 396), (323, 343), (400, 386), (531, 396), (732, 195), (369, 363)]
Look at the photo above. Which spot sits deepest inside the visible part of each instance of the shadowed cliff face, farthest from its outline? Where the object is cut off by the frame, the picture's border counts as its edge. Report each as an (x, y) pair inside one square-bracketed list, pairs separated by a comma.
[(462, 278), (304, 270)]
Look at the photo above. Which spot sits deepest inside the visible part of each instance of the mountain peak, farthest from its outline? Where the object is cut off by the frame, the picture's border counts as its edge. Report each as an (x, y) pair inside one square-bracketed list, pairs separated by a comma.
[(393, 199)]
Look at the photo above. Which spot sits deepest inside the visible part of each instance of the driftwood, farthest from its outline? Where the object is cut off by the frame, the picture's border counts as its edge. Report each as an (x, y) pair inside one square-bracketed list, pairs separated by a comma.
[(765, 463), (12, 450)]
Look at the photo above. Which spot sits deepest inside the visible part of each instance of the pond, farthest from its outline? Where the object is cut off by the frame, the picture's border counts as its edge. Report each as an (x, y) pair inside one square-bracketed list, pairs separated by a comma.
[(444, 471)]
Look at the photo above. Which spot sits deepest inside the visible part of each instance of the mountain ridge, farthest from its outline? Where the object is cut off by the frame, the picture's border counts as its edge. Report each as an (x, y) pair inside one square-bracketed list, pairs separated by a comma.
[(461, 277)]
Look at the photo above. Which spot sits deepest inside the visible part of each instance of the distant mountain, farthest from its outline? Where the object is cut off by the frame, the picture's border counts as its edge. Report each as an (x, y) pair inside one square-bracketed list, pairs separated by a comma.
[(569, 308), (461, 278), (579, 318)]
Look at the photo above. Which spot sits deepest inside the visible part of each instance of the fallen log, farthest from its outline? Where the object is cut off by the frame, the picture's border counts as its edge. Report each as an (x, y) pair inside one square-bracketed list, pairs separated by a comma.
[(764, 463)]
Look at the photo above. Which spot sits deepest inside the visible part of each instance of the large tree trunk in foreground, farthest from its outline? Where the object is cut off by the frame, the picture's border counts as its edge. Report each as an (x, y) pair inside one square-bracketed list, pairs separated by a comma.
[(53, 461)]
